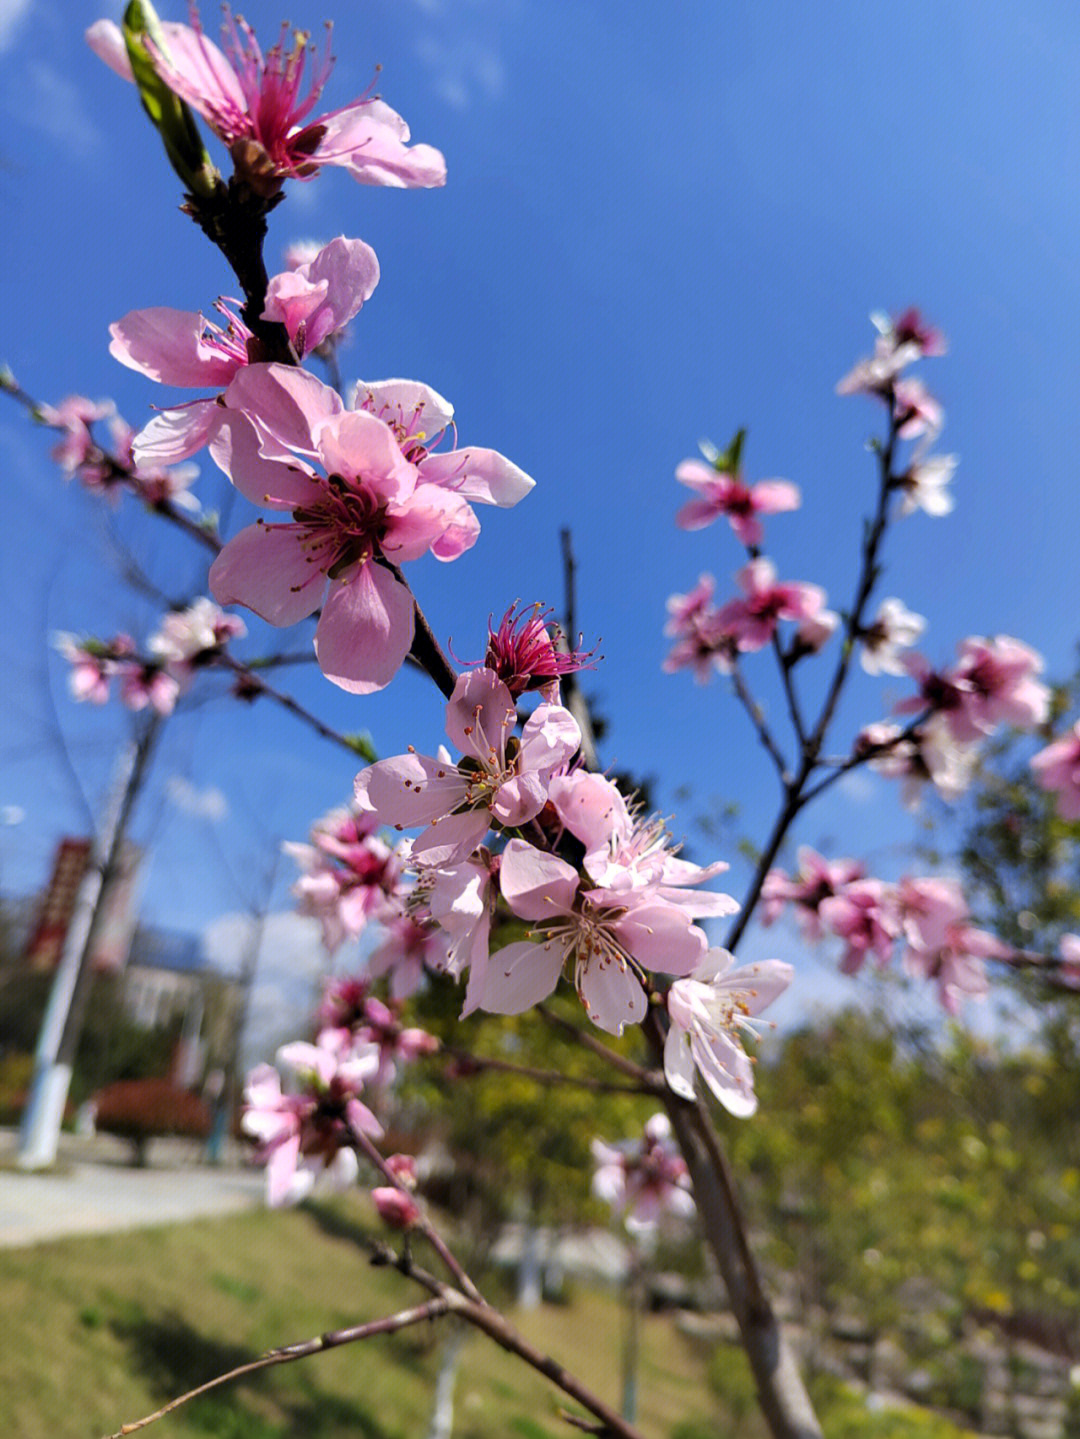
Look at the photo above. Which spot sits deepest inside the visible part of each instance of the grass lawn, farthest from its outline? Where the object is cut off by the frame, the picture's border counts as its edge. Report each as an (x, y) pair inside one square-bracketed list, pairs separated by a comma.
[(96, 1332)]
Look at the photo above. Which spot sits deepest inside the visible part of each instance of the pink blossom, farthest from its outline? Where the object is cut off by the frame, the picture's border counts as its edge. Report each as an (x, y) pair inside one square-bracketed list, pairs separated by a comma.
[(258, 106), (528, 652), (894, 628), (316, 299), (864, 915), (611, 937), (370, 1022), (708, 1011), (348, 527), (704, 642), (627, 851), (814, 632), (816, 880), (396, 1208), (500, 779), (899, 343), (192, 635), (411, 946), (928, 754), (74, 416), (915, 411), (150, 686), (348, 875), (644, 1179), (942, 945), (91, 667), (686, 611), (992, 683), (753, 619), (728, 494), (183, 348), (1057, 769), (1000, 684), (302, 1135), (923, 485)]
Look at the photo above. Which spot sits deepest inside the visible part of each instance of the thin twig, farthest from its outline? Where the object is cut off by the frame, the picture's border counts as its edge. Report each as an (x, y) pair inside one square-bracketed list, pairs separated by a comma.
[(757, 719), (589, 1041), (364, 1144), (552, 1076), (433, 1309), (573, 698), (260, 687)]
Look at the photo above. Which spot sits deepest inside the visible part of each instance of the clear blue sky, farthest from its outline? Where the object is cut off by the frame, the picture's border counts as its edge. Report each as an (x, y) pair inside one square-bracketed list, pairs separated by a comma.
[(661, 222)]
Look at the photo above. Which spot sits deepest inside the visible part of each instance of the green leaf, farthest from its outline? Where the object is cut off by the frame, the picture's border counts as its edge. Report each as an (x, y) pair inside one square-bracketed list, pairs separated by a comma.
[(727, 461), (169, 115), (363, 746)]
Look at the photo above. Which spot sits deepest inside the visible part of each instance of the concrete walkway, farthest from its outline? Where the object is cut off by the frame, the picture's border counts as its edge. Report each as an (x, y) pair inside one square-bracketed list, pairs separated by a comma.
[(94, 1189)]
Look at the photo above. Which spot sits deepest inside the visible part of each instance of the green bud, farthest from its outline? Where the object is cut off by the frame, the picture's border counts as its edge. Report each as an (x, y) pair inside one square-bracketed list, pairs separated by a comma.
[(169, 115)]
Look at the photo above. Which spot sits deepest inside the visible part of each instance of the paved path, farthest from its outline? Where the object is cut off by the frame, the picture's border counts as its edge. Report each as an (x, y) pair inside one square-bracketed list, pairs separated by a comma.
[(95, 1190)]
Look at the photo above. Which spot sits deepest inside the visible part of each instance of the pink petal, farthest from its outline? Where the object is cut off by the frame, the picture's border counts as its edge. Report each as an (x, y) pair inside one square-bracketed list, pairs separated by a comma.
[(289, 403), (452, 837), (174, 434), (590, 807), (612, 995), (195, 68), (237, 450), (415, 407), (429, 519), (480, 715), (409, 789), (106, 40), (773, 496), (267, 569), (358, 446), (167, 345), (679, 1062), (365, 630), (481, 475), (521, 975), (697, 514), (534, 884), (660, 936), (368, 139)]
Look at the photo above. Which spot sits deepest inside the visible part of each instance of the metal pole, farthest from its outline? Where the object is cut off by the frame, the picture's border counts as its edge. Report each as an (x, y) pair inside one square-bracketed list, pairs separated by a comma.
[(39, 1133)]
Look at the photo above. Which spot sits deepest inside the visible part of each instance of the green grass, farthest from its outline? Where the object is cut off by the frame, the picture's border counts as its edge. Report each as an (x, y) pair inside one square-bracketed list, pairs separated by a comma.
[(100, 1331)]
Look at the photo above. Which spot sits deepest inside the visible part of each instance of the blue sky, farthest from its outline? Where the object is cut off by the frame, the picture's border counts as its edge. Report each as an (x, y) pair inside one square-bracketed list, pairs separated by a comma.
[(661, 222)]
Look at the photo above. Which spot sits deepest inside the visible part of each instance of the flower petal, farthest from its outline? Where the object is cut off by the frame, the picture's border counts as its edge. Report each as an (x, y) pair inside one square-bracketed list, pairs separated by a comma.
[(365, 630)]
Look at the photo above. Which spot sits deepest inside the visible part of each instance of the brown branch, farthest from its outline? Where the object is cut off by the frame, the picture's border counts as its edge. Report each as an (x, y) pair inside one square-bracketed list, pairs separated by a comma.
[(551, 1076), (489, 1320), (597, 1046), (423, 1223), (573, 698), (433, 1309)]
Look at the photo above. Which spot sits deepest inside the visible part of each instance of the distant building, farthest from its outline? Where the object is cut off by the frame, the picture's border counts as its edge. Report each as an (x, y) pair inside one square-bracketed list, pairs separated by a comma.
[(167, 978)]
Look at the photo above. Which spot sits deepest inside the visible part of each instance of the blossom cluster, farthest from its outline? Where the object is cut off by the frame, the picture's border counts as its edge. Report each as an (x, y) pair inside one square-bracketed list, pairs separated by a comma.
[(185, 641), (957, 708), (709, 637), (643, 1179), (109, 471), (310, 1128), (928, 916)]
